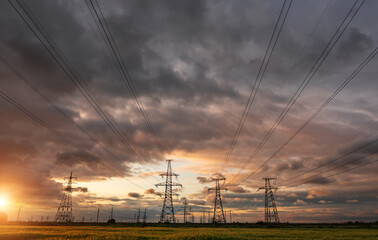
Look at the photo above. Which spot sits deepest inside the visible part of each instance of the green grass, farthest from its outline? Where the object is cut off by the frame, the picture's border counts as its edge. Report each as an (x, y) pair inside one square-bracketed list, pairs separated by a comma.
[(11, 232)]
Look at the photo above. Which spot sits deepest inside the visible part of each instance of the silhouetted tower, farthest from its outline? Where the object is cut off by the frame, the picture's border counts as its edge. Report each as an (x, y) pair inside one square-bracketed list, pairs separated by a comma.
[(138, 216), (271, 214), (64, 213), (168, 212), (218, 216), (98, 214), (18, 214), (145, 216), (186, 210)]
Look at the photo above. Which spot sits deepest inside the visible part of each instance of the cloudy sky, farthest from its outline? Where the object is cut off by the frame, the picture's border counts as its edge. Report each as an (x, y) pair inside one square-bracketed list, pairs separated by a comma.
[(193, 66)]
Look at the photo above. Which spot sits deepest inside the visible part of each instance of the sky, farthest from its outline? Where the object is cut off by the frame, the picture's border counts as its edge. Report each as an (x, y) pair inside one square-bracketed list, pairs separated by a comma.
[(194, 65)]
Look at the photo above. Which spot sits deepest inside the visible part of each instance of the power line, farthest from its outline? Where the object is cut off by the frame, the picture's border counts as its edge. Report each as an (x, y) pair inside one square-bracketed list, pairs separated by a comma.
[(318, 63), (333, 160), (309, 180), (61, 111), (333, 95), (295, 63), (47, 126), (268, 53), (117, 57), (74, 76)]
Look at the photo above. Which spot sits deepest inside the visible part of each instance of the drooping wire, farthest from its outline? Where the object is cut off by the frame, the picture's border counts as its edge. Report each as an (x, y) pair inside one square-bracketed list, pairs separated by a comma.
[(313, 180), (74, 76), (334, 160), (292, 67), (318, 63), (61, 111), (48, 127), (260, 75), (333, 95), (121, 66)]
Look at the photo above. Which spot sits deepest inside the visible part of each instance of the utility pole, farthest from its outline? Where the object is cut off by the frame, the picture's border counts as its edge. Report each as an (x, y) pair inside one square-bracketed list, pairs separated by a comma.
[(230, 217), (218, 216), (18, 214), (185, 209), (168, 212), (271, 214), (111, 217), (98, 214), (64, 213), (138, 216), (145, 216)]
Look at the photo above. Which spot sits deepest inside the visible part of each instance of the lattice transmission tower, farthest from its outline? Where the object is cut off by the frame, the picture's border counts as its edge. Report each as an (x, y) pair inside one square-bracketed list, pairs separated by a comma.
[(168, 211), (64, 213), (187, 211), (218, 216), (271, 213)]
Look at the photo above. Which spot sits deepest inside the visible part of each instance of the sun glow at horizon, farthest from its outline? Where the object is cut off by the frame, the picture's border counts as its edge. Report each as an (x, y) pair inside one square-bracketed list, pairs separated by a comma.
[(3, 201)]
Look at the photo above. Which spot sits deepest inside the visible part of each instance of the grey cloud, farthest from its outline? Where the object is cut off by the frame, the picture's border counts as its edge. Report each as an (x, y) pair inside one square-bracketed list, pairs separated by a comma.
[(80, 189), (239, 189), (134, 195), (77, 157), (356, 42)]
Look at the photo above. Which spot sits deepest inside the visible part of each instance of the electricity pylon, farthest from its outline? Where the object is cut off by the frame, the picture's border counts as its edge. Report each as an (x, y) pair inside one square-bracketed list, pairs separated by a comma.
[(186, 211), (218, 216), (168, 212), (271, 214), (64, 213), (138, 216), (145, 216)]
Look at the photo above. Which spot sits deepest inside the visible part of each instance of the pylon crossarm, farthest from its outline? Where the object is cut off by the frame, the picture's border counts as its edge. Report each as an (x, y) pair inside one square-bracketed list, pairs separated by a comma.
[(176, 185), (168, 174), (160, 185)]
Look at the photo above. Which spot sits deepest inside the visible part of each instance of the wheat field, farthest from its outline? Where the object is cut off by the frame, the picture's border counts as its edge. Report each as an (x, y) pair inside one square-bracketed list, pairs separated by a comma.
[(13, 232)]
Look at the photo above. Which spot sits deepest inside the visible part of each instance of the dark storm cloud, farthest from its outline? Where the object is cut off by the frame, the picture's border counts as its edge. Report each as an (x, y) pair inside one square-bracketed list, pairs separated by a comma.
[(203, 180), (134, 195), (320, 180), (80, 189), (356, 42), (292, 165), (77, 157), (239, 189)]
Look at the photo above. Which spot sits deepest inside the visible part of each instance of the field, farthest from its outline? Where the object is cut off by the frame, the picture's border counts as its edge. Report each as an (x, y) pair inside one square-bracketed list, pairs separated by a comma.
[(10, 232)]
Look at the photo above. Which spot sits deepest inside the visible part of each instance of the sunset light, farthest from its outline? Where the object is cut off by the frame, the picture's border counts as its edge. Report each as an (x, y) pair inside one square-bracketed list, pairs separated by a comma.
[(3, 202)]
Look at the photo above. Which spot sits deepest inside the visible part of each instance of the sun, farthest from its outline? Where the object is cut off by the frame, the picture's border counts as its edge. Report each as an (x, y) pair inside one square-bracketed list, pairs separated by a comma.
[(3, 201)]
